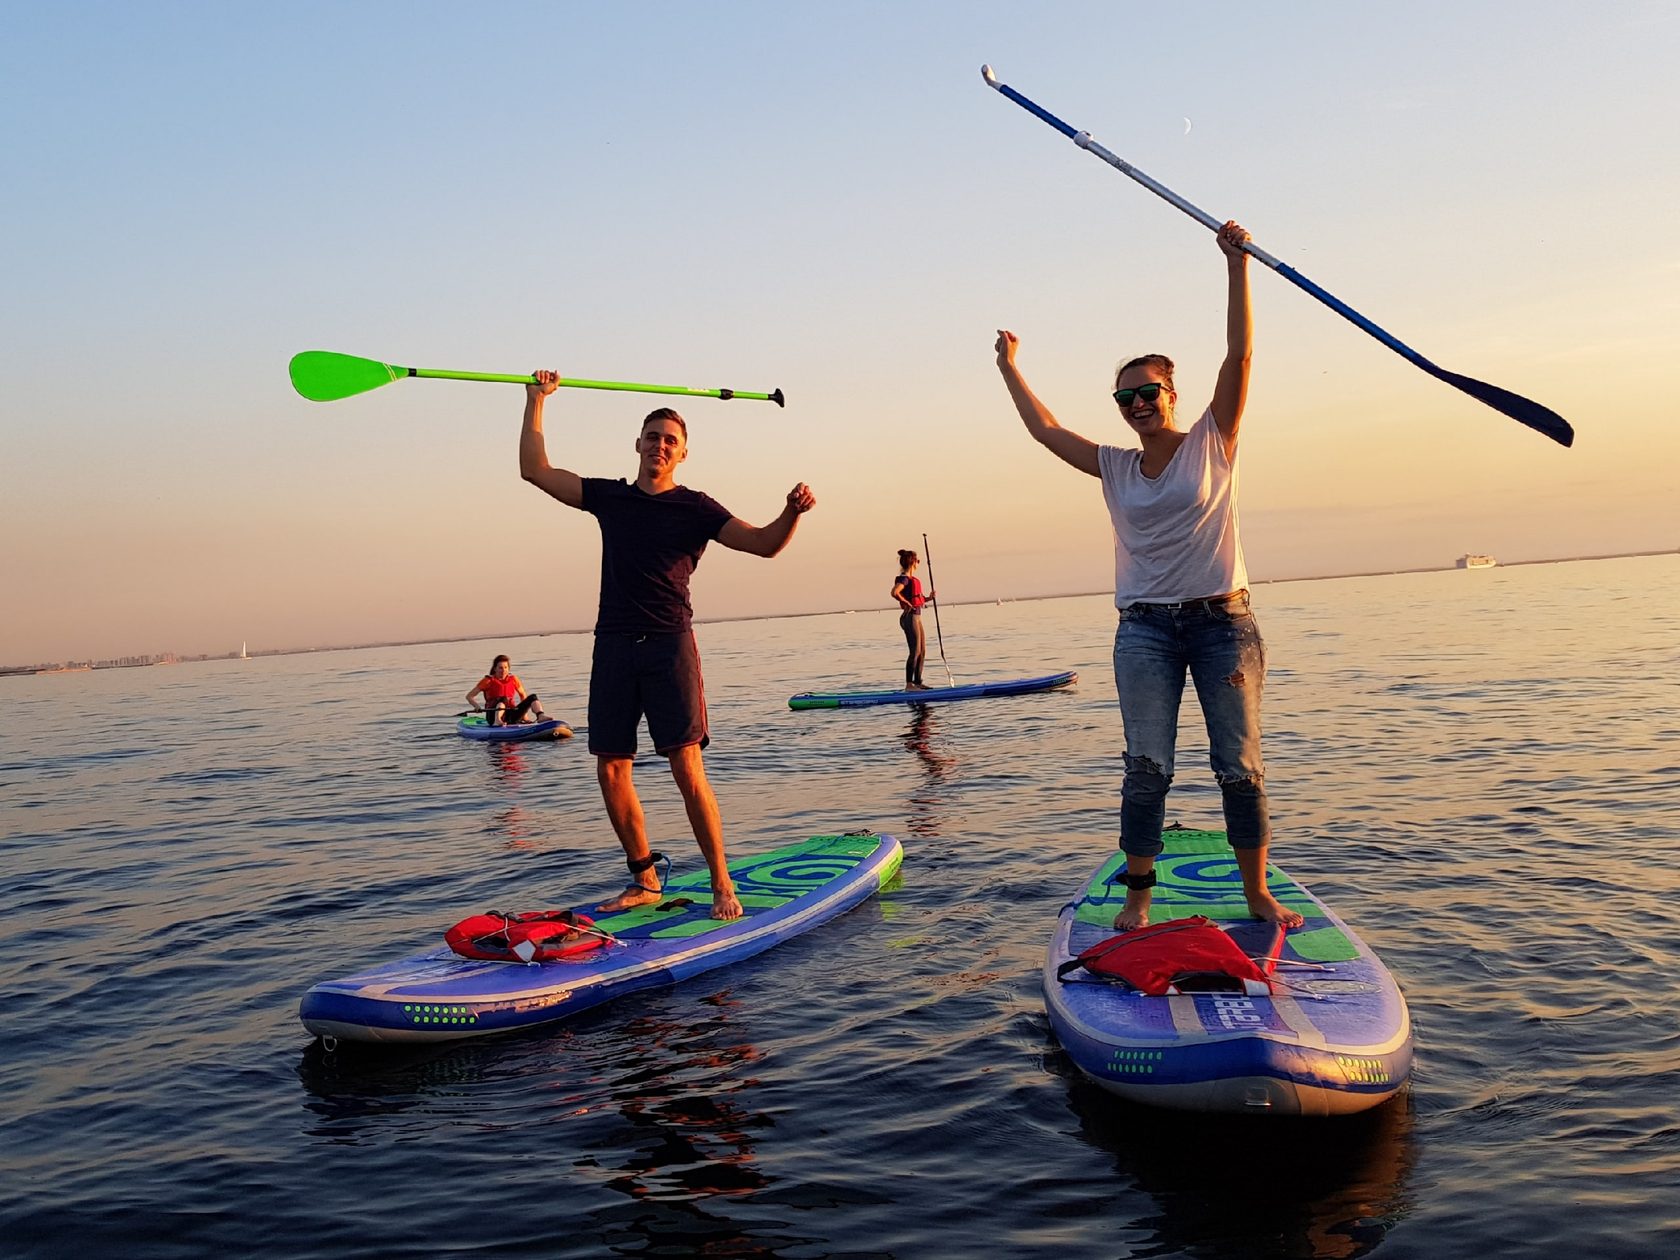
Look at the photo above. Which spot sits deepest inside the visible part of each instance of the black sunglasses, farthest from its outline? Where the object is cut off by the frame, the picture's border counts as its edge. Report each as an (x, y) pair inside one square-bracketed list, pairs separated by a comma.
[(1149, 393)]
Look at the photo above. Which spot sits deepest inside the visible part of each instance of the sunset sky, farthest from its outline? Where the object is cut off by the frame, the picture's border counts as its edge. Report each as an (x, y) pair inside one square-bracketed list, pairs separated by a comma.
[(821, 198)]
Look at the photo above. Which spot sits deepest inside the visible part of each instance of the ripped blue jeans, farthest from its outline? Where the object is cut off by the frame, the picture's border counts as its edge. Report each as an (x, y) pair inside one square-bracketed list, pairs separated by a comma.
[(1218, 643)]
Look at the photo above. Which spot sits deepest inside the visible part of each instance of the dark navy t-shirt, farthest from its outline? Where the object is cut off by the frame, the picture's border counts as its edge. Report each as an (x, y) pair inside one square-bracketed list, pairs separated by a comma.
[(650, 544)]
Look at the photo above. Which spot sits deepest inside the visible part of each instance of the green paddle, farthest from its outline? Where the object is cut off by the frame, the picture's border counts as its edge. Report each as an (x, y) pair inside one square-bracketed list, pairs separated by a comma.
[(323, 376)]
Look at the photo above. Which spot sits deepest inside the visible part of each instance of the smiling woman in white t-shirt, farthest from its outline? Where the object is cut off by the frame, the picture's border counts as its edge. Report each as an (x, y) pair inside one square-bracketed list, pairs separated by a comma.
[(1181, 589)]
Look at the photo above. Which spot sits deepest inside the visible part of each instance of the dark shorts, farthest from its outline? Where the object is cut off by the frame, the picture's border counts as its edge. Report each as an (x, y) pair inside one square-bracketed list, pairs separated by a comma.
[(656, 676)]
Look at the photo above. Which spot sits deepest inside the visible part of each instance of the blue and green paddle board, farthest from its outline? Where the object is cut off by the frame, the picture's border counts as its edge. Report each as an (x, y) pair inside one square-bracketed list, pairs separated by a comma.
[(475, 727), (1333, 1037), (929, 695), (441, 996)]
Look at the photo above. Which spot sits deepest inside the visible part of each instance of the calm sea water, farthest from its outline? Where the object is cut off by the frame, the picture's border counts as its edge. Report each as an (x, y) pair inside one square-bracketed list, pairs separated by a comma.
[(1481, 771)]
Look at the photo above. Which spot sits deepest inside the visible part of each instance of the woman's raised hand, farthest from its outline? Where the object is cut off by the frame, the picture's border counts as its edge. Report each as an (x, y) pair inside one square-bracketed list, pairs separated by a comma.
[(1006, 343), (1232, 237)]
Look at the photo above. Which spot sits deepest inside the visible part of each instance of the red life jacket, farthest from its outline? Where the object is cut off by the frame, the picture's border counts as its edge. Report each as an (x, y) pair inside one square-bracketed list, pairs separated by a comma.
[(504, 689), (535, 936), (1178, 956)]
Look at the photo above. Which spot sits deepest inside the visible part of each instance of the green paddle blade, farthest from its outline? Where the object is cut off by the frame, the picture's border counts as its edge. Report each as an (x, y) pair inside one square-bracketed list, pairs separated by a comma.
[(323, 376)]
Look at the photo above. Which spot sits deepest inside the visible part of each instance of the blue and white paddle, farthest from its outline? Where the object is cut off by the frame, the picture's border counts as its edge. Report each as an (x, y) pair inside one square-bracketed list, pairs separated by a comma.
[(1523, 410)]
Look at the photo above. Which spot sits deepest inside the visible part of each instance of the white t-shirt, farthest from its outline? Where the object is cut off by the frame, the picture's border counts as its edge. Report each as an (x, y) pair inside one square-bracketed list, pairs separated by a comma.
[(1175, 538)]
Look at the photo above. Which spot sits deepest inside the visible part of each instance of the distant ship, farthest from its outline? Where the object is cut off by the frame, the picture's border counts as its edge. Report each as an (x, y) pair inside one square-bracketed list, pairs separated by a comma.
[(1468, 561)]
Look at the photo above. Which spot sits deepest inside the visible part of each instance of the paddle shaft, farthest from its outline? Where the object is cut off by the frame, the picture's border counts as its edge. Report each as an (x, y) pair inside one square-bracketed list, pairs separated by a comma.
[(628, 387), (928, 556), (1523, 410)]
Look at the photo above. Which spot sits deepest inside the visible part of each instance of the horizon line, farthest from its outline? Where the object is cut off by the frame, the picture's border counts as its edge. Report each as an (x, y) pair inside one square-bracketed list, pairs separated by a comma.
[(196, 658)]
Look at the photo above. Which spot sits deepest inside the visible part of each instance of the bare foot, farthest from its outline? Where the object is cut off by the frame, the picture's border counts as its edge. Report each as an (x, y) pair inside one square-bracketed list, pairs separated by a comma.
[(635, 895), (1269, 909), (1135, 913), (724, 905)]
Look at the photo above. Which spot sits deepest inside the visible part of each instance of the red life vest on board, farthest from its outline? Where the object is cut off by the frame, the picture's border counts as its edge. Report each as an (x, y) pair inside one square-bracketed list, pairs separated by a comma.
[(1178, 956), (534, 936)]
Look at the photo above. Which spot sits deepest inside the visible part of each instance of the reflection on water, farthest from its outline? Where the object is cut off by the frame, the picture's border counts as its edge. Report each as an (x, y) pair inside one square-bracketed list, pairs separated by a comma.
[(652, 1108), (690, 1136), (1261, 1185), (508, 767), (507, 764), (931, 795)]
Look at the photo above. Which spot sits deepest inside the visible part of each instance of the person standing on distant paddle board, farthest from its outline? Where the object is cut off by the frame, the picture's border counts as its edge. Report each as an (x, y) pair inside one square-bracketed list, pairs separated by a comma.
[(505, 701), (653, 532), (907, 590), (1180, 585)]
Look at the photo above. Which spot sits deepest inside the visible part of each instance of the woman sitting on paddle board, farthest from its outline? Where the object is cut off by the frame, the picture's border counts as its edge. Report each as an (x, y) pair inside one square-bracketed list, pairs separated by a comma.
[(907, 590), (505, 701), (1180, 585)]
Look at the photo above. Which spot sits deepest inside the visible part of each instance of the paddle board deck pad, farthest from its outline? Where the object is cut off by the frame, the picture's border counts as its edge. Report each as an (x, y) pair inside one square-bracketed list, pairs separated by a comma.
[(475, 727), (441, 996), (1334, 1037), (970, 691)]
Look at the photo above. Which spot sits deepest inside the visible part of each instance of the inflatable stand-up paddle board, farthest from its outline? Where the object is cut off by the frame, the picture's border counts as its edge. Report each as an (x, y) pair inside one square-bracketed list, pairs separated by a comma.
[(970, 691), (1332, 1037), (475, 727), (439, 995)]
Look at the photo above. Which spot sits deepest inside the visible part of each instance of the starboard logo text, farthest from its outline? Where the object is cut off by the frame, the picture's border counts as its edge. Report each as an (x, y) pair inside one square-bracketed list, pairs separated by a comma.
[(1237, 1012)]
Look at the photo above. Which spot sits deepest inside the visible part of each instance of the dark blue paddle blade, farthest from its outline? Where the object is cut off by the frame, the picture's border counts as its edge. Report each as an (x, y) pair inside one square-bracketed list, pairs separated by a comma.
[(1522, 410)]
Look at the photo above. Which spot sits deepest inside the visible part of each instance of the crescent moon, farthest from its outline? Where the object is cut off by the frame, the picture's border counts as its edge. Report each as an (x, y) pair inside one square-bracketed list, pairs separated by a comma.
[(1186, 126)]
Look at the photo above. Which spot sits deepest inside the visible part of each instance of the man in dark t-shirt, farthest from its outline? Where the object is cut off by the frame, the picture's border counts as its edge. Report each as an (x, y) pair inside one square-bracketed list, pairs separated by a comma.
[(653, 532)]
